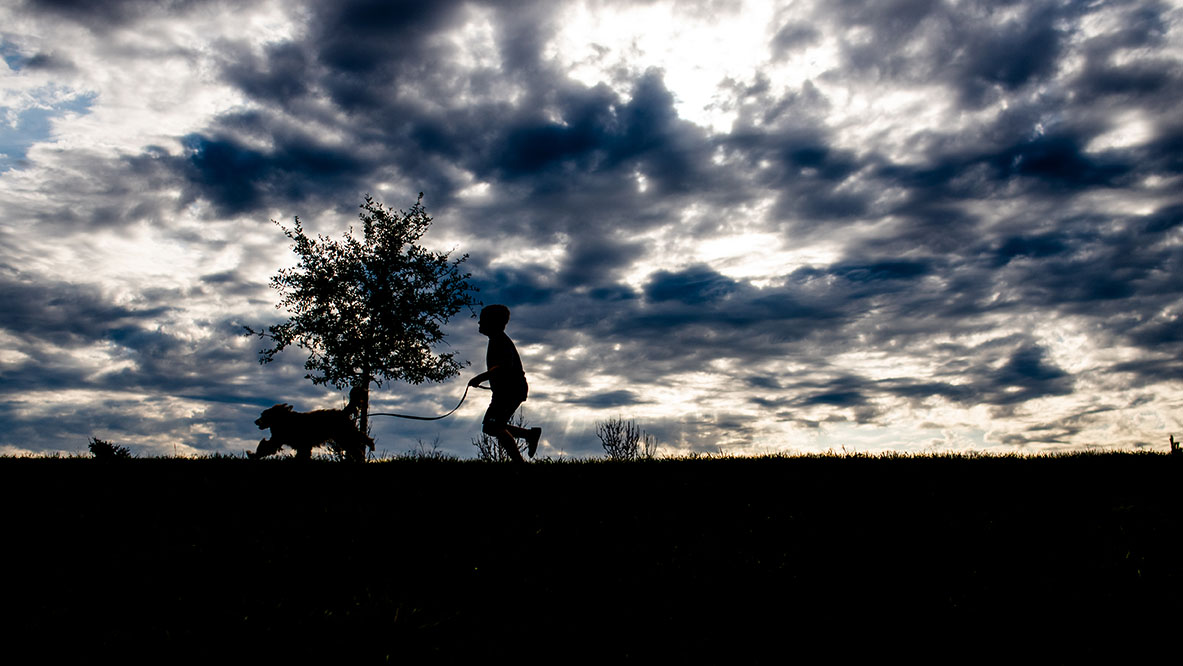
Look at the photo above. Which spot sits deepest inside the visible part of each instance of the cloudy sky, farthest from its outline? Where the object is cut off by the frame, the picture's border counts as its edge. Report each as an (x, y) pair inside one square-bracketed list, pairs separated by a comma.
[(751, 227)]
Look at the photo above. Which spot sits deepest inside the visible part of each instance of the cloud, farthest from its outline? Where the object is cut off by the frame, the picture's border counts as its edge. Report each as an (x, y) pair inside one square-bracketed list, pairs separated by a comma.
[(33, 122), (609, 399), (898, 217), (697, 285), (63, 314), (237, 179)]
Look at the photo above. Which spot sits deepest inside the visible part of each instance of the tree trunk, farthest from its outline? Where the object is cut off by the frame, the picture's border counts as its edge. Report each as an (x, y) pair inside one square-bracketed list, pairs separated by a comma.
[(364, 414)]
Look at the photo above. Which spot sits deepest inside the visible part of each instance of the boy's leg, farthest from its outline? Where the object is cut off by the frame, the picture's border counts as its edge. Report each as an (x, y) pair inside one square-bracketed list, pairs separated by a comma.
[(516, 432), (510, 445), (496, 424), (531, 435)]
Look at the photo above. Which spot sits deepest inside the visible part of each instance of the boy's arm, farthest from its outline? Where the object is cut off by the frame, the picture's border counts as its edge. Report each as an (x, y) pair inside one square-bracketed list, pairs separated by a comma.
[(484, 376)]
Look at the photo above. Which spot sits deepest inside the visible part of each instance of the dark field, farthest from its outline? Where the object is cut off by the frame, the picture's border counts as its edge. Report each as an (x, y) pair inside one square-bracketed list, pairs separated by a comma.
[(728, 559)]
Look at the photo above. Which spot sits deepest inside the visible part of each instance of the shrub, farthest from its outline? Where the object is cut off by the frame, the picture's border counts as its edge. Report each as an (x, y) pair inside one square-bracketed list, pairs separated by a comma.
[(103, 450), (423, 452), (624, 440)]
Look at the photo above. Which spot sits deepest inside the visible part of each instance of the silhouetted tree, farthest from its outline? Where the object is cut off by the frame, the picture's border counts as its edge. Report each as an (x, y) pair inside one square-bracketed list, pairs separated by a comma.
[(623, 440), (370, 310)]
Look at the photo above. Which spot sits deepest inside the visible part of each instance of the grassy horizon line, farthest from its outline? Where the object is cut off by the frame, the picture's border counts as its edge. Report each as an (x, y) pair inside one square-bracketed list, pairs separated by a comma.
[(438, 457)]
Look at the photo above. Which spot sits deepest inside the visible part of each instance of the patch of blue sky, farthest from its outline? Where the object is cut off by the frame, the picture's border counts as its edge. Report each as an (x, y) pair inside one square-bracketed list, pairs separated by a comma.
[(12, 56), (21, 129)]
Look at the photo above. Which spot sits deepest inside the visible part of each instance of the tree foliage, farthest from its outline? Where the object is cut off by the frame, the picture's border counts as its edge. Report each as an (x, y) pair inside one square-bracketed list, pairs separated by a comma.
[(370, 310)]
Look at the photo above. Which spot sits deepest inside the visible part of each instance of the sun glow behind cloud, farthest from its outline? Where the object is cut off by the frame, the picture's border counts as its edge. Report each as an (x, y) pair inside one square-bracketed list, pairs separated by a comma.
[(696, 49)]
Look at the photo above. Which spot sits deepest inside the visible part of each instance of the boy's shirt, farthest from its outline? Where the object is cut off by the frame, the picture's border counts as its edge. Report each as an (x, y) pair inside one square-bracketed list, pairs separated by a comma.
[(509, 378)]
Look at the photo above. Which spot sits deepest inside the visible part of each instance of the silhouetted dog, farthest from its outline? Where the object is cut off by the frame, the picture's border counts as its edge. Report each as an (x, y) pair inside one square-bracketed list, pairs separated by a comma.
[(304, 431)]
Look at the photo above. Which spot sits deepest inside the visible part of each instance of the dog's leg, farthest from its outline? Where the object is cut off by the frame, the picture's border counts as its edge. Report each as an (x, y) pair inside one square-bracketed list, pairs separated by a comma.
[(357, 450), (361, 442), (266, 447)]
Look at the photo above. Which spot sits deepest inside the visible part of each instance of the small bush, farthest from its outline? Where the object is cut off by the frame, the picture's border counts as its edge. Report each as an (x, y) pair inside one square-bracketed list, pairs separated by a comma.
[(103, 450), (623, 440), (423, 452)]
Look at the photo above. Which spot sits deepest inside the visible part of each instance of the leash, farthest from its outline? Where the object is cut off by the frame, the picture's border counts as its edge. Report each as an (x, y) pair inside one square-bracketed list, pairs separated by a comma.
[(433, 418)]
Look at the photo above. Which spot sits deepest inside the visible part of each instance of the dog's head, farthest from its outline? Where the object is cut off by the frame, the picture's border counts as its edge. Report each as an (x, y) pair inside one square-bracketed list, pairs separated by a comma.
[(266, 448), (272, 415)]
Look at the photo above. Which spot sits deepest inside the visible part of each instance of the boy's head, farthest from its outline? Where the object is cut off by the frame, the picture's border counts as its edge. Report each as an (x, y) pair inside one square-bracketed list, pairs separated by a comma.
[(493, 318)]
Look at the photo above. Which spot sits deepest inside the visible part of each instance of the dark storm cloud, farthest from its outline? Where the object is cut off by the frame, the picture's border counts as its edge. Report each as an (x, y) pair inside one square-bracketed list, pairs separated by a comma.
[(694, 286), (685, 319), (1153, 370), (836, 399), (979, 48), (525, 285), (882, 271), (999, 378), (926, 41), (1045, 165), (799, 162), (240, 179), (1118, 270), (1109, 270), (277, 76), (372, 38), (561, 148), (607, 399), (71, 337), (370, 59), (64, 314), (368, 56), (1026, 376), (698, 298), (1023, 374), (590, 260), (110, 13), (1035, 246), (49, 320), (587, 156), (1145, 25)]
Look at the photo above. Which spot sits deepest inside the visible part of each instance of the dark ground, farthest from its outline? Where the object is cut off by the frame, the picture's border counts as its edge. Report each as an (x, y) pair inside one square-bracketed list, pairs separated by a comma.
[(723, 560)]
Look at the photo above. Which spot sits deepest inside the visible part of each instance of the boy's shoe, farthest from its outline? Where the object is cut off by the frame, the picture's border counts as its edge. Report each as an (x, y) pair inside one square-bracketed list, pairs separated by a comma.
[(532, 441)]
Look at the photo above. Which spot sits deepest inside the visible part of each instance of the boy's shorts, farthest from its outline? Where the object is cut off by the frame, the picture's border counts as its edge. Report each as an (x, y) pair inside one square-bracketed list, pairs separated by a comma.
[(501, 410)]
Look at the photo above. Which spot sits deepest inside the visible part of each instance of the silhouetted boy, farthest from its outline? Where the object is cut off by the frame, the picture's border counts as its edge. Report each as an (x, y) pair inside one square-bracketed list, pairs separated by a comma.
[(508, 382)]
